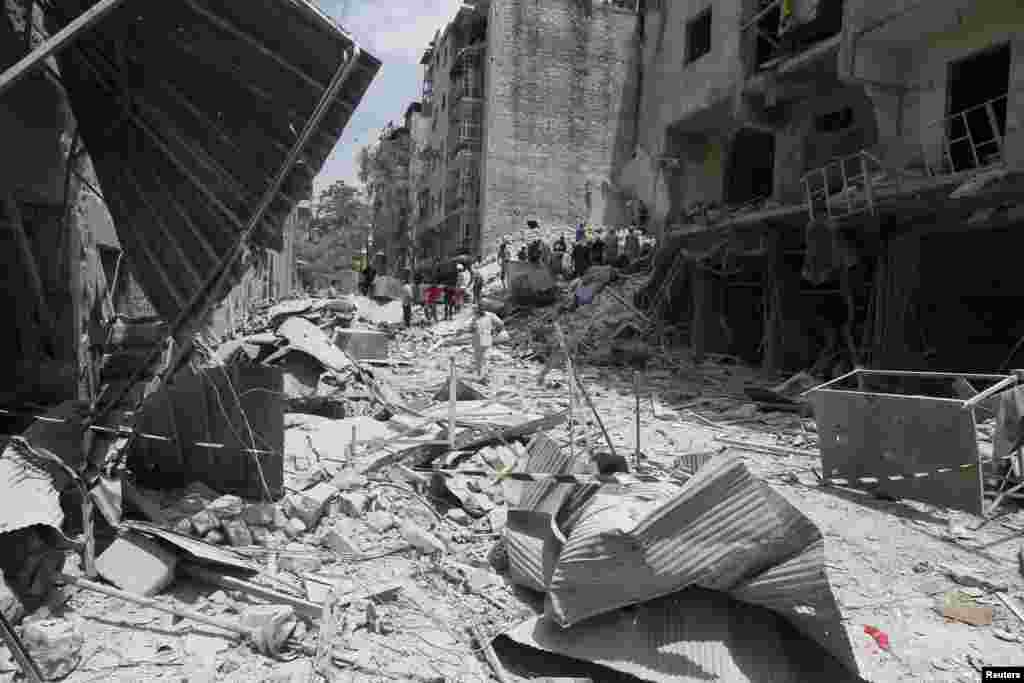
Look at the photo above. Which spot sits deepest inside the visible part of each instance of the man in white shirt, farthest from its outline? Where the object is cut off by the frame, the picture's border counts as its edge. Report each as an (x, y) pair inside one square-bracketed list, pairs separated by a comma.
[(485, 325)]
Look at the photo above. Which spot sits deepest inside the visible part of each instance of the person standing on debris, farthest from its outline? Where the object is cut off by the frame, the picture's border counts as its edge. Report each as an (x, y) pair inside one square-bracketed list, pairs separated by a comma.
[(332, 291), (611, 247), (485, 325), (557, 255), (597, 250), (478, 285), (579, 259), (581, 232), (632, 244), (407, 299), (504, 255), (522, 255), (464, 281)]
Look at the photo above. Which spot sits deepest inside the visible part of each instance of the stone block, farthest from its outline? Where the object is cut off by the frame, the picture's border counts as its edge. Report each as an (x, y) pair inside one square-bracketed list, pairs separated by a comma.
[(137, 564), (309, 505), (260, 514), (237, 532), (295, 528), (226, 507), (353, 504), (380, 521)]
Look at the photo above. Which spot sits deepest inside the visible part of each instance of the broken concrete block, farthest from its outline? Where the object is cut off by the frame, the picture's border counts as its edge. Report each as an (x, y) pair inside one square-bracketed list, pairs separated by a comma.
[(184, 526), (137, 564), (295, 528), (309, 505), (261, 535), (275, 623), (55, 645), (339, 542), (237, 532), (353, 504), (299, 558), (216, 537), (422, 540), (348, 479), (459, 516), (259, 514), (479, 580), (498, 518), (226, 507), (204, 522), (380, 521)]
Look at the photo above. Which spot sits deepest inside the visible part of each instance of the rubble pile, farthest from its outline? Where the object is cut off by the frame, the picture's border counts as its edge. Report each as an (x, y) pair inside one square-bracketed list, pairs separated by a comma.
[(498, 535)]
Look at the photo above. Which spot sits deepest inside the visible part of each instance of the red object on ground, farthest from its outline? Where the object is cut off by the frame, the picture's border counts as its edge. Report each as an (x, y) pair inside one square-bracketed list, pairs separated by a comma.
[(881, 637)]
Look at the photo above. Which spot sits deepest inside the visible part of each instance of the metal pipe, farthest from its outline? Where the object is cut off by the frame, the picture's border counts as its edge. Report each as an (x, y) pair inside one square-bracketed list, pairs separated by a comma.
[(55, 43)]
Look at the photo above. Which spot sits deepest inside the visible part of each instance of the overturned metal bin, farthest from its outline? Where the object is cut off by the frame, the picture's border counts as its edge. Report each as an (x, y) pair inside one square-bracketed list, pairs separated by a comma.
[(905, 434)]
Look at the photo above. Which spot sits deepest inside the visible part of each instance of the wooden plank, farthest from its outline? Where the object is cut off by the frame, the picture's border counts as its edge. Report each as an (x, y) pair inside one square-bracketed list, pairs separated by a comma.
[(55, 43)]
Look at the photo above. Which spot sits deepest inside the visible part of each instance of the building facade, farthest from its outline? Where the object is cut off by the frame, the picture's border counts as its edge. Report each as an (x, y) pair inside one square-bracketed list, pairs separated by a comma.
[(525, 112), (803, 150)]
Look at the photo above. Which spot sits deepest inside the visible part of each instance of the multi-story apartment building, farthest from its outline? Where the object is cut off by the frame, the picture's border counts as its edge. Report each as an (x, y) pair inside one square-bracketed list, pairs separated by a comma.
[(389, 193), (815, 144), (525, 112)]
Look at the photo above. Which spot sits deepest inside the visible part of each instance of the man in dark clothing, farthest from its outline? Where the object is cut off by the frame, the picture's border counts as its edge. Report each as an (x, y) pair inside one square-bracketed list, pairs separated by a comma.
[(504, 256), (478, 286), (522, 253), (579, 259), (597, 251), (369, 275), (557, 255)]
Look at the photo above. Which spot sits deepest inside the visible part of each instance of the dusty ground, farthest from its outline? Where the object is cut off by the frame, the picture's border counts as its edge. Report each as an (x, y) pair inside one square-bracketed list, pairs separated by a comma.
[(885, 557)]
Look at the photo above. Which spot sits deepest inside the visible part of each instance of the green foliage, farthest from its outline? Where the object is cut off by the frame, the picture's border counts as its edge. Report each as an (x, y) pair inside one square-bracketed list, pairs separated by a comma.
[(338, 230)]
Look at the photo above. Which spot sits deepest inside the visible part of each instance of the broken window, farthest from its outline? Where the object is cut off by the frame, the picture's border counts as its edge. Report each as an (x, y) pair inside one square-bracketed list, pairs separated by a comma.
[(835, 121), (698, 36), (977, 108)]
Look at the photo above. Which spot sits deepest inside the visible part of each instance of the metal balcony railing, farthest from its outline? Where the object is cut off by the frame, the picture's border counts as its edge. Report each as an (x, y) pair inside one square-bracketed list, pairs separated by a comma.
[(841, 188), (968, 140)]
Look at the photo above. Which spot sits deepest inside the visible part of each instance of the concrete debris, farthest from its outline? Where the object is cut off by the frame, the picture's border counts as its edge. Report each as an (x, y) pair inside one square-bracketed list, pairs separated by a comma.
[(295, 528), (137, 564), (337, 541), (380, 521), (226, 507), (966, 576), (308, 506), (353, 504), (422, 540), (55, 645)]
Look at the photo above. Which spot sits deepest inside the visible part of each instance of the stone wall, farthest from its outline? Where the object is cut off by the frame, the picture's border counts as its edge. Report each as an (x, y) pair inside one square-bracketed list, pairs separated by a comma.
[(561, 89)]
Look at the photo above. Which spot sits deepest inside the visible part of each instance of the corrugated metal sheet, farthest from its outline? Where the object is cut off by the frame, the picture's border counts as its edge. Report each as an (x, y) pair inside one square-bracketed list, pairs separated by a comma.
[(691, 636), (545, 455), (533, 545), (189, 109), (724, 530)]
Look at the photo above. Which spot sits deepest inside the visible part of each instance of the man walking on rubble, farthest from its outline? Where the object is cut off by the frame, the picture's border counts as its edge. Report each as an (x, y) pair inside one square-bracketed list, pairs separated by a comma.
[(632, 245), (407, 298), (484, 326)]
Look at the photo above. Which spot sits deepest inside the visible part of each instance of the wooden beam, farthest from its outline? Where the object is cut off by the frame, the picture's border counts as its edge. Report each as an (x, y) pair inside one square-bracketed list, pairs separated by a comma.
[(55, 43)]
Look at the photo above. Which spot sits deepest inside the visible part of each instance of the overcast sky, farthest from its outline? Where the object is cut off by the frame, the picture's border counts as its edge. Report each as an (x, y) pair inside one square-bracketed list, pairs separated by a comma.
[(396, 32)]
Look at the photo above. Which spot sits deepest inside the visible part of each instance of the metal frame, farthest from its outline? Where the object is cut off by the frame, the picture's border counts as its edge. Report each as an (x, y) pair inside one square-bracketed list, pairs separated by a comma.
[(905, 441), (54, 44)]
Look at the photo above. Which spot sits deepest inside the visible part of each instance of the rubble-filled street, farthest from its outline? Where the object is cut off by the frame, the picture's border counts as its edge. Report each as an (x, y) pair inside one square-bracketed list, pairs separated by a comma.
[(457, 341), (393, 556)]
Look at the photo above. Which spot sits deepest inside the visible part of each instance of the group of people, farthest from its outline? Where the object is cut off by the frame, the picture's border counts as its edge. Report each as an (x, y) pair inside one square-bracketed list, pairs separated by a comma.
[(591, 248), (447, 288)]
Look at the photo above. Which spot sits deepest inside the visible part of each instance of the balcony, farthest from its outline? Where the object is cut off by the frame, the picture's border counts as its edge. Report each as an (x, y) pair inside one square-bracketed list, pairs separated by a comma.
[(969, 140)]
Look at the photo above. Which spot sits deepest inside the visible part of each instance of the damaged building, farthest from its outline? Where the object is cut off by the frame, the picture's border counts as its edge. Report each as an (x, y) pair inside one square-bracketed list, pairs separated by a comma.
[(523, 116), (819, 169)]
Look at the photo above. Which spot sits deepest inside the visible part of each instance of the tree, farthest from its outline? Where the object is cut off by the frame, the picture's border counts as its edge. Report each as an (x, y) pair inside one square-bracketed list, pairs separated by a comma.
[(337, 232)]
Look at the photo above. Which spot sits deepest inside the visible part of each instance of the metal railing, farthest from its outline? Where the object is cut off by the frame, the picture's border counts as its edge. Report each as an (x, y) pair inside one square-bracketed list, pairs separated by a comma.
[(843, 187), (968, 140)]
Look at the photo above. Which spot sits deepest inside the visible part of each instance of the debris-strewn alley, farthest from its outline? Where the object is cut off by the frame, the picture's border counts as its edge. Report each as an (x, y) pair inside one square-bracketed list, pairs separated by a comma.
[(392, 556)]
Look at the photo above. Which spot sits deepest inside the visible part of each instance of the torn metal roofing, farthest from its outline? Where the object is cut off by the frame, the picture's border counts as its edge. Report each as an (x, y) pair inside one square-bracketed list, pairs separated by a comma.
[(189, 110), (691, 636), (724, 530)]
